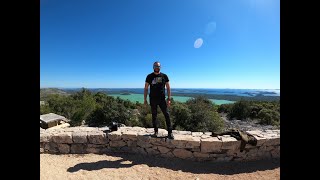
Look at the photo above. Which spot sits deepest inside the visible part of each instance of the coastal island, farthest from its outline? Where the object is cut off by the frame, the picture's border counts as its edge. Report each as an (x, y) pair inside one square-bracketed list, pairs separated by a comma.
[(125, 93)]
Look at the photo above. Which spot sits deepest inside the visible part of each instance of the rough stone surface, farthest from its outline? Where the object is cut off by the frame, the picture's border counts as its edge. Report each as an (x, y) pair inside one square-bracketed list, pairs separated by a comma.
[(230, 143), (196, 134), (275, 153), (163, 150), (260, 140), (54, 131), (151, 130), (152, 151), (144, 137), (181, 153), (114, 136), (201, 155), (167, 155), (45, 137), (64, 148), (51, 147), (144, 144), (132, 144), (117, 143), (125, 149), (158, 141), (141, 151), (184, 132), (180, 141), (63, 137), (96, 145), (193, 143), (272, 141), (72, 129), (95, 148), (89, 129), (138, 129), (97, 137), (212, 144), (129, 135), (205, 136), (197, 149), (80, 137), (77, 148), (124, 129)]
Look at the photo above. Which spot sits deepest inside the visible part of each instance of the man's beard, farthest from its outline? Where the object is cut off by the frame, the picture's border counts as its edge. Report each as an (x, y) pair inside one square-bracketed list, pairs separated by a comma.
[(156, 70)]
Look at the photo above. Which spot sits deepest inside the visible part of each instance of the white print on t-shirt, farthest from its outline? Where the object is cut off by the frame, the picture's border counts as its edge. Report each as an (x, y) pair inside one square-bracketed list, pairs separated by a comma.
[(157, 80)]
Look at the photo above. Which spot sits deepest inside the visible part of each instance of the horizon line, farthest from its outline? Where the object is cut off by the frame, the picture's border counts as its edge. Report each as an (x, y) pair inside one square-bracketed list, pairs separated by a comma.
[(142, 88)]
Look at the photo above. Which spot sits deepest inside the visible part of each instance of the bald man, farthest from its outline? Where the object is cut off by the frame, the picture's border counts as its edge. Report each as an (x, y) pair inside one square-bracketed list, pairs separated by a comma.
[(158, 81)]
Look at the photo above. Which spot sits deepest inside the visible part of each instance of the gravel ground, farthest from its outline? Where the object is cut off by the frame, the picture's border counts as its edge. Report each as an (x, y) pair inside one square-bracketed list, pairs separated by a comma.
[(129, 166)]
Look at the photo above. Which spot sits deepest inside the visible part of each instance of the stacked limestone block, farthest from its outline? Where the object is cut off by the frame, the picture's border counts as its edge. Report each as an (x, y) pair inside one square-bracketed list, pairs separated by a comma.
[(73, 140)]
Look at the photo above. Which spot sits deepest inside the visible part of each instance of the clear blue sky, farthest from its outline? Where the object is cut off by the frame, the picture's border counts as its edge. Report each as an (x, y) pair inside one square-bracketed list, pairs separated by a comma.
[(200, 43)]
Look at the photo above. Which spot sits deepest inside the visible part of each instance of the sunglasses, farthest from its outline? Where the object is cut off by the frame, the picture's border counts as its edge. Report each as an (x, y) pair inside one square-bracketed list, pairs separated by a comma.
[(156, 66)]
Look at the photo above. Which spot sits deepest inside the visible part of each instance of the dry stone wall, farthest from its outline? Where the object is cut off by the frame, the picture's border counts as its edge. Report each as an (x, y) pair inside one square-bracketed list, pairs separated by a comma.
[(196, 146)]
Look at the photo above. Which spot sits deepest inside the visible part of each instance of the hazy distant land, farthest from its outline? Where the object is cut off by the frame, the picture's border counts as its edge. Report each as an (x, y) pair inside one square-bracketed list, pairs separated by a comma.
[(218, 96)]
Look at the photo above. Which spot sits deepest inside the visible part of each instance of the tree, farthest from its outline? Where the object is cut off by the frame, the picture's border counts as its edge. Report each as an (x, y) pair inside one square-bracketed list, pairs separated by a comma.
[(81, 94), (269, 117), (97, 118), (240, 110), (180, 115), (107, 113), (45, 109), (204, 116), (84, 107), (225, 108)]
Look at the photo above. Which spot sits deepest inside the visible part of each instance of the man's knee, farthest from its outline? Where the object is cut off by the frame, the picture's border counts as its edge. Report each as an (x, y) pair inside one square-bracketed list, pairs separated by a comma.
[(166, 116), (153, 110)]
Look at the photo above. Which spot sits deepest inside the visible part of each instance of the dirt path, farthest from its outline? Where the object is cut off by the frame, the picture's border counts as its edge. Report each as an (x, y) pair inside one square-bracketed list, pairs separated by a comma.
[(128, 166)]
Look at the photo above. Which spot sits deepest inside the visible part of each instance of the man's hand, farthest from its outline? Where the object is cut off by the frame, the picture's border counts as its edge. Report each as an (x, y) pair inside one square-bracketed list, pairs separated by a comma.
[(168, 102)]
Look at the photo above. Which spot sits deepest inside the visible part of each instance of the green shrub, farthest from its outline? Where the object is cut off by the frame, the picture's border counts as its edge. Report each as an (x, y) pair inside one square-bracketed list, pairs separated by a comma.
[(225, 108), (180, 115), (269, 117), (204, 116), (240, 110), (45, 109)]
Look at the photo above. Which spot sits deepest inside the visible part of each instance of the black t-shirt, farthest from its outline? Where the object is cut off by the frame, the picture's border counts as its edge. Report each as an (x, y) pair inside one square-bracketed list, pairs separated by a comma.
[(157, 84)]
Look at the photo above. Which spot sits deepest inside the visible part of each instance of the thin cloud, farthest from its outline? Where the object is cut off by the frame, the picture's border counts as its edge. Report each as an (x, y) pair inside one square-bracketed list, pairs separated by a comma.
[(198, 43), (211, 28)]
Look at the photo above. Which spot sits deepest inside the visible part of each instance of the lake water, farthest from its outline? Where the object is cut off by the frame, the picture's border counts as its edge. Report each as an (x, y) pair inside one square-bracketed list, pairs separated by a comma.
[(136, 94), (139, 98), (177, 91)]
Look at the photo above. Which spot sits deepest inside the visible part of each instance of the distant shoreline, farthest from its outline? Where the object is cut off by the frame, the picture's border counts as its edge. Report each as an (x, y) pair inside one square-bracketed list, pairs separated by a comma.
[(171, 88), (218, 94), (139, 98)]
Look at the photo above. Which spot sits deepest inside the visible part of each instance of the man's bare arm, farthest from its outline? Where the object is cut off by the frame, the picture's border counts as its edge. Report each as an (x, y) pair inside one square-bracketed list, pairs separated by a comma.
[(168, 90), (146, 86)]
